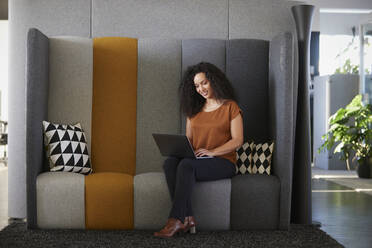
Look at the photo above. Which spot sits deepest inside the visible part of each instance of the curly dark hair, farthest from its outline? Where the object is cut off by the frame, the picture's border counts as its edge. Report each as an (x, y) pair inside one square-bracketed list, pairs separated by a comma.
[(191, 101)]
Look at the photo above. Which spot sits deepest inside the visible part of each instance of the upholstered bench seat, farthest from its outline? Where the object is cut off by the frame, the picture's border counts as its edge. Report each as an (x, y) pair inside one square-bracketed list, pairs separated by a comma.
[(97, 201), (123, 89), (109, 201), (60, 200), (152, 202)]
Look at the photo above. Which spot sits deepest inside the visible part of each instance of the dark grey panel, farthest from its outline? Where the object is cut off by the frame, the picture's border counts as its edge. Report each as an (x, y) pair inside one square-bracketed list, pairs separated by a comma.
[(281, 105), (195, 51), (247, 67), (37, 81), (211, 204), (208, 50), (254, 202)]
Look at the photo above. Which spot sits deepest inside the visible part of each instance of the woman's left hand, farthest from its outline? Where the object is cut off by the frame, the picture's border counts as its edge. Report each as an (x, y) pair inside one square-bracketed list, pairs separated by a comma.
[(203, 152)]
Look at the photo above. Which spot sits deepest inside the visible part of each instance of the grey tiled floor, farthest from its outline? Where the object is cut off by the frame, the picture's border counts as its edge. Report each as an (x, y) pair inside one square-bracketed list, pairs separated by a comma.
[(342, 202), (345, 214)]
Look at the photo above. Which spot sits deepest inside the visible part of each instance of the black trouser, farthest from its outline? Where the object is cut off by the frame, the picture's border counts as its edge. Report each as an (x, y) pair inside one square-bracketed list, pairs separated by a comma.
[(181, 175)]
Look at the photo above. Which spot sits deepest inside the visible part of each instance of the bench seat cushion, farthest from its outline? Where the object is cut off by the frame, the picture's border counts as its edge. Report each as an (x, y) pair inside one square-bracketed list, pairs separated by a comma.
[(109, 201), (60, 200), (255, 202), (152, 202)]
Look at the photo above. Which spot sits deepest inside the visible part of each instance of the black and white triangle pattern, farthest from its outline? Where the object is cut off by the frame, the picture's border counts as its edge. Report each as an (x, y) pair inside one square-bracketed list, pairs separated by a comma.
[(244, 158), (66, 148), (261, 158)]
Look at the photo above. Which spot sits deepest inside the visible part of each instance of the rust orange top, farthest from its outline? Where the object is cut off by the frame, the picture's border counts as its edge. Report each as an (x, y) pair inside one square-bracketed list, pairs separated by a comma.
[(212, 129)]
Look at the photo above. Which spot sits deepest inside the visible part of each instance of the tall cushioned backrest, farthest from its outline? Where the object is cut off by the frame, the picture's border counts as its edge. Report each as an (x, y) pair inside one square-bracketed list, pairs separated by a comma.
[(245, 63), (37, 74), (247, 67), (282, 92), (70, 88), (97, 86), (207, 50), (159, 73), (114, 107)]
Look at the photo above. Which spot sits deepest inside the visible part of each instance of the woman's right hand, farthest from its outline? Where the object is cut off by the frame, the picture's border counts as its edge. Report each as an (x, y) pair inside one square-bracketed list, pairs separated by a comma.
[(204, 152)]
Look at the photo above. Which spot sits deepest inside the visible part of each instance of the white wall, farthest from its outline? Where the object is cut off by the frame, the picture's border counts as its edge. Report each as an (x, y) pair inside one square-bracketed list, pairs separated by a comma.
[(320, 20), (4, 70), (336, 24)]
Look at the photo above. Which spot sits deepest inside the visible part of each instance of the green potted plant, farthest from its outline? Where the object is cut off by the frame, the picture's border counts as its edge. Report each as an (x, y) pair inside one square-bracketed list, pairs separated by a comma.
[(352, 128)]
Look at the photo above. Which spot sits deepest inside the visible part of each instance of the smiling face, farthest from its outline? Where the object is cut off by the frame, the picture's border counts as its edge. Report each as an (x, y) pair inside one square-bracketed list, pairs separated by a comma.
[(203, 86)]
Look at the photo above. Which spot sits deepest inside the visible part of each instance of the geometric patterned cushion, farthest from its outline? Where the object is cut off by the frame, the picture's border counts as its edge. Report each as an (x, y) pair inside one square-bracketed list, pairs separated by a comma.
[(66, 148), (261, 158), (244, 158)]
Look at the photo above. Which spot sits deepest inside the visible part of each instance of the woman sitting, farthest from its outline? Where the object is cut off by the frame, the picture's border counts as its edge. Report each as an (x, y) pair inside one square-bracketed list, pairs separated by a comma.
[(214, 126)]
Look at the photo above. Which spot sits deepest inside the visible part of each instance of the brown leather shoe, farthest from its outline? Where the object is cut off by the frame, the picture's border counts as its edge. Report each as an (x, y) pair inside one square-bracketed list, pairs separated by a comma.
[(190, 224), (172, 227)]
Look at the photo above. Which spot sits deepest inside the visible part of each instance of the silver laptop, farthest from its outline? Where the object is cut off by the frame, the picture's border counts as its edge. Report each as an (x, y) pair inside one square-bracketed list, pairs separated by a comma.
[(175, 145)]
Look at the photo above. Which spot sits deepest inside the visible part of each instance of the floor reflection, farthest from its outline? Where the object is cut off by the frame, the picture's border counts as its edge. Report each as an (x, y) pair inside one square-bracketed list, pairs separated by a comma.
[(344, 213)]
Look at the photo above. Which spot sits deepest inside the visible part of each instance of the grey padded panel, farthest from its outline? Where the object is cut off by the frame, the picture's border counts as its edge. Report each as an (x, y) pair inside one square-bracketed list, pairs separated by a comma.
[(247, 67), (254, 202), (195, 51), (37, 79), (60, 200), (159, 73), (71, 89), (281, 105), (208, 50), (160, 19), (52, 17), (152, 202)]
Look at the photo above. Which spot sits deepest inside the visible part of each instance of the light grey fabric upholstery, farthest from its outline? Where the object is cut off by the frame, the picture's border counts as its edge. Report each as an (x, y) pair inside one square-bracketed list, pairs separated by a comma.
[(255, 202), (166, 18), (152, 202), (281, 105), (159, 75), (37, 80), (260, 19), (60, 200), (71, 89)]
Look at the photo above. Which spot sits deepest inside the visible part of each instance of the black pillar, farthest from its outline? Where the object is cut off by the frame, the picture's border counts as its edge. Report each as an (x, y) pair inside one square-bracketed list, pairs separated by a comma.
[(301, 187)]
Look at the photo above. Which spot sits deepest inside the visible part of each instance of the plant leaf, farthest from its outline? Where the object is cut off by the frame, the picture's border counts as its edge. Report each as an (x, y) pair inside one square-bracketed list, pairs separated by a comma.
[(339, 147)]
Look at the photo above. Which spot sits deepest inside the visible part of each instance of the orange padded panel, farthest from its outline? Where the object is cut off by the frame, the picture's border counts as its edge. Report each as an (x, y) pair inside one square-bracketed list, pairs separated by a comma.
[(114, 105), (109, 201)]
